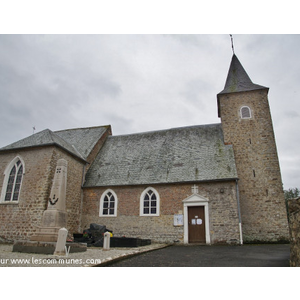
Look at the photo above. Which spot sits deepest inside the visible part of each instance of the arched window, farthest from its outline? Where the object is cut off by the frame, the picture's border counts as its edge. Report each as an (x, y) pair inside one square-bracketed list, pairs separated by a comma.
[(108, 204), (245, 112), (149, 202), (13, 176)]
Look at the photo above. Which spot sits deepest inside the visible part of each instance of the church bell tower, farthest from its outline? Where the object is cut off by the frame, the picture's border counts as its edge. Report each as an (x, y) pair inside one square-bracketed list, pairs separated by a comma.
[(247, 124)]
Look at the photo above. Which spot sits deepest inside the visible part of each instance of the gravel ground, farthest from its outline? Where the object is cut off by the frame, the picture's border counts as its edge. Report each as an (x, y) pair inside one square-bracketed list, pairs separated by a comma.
[(92, 257)]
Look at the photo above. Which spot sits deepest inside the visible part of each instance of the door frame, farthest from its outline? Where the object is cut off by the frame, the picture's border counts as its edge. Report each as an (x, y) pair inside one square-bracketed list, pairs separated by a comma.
[(195, 200)]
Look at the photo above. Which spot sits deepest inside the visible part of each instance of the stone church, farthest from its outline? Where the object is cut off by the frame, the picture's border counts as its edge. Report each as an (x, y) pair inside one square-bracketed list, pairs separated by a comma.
[(217, 183)]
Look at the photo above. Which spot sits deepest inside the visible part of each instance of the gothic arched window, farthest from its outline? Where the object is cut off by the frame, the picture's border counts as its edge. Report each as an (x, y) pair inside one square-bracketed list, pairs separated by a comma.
[(245, 112), (149, 202), (13, 176), (108, 204)]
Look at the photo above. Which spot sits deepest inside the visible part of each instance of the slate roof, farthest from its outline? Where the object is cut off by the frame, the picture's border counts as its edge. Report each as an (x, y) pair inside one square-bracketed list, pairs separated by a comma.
[(83, 139), (186, 154), (238, 79), (78, 142)]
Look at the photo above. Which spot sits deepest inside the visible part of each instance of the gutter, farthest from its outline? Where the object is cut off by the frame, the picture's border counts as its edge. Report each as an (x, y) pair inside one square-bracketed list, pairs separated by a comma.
[(161, 183)]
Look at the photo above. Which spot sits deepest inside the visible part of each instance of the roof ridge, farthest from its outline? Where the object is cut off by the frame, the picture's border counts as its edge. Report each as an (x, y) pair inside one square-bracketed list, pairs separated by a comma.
[(26, 138), (165, 130), (82, 128), (45, 137), (61, 142)]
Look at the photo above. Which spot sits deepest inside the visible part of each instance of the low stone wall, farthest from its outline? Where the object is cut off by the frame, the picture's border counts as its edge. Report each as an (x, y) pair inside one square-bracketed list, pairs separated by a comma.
[(294, 223)]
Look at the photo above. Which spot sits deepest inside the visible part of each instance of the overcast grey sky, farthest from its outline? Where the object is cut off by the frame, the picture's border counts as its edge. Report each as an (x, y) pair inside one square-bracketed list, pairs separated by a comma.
[(140, 83)]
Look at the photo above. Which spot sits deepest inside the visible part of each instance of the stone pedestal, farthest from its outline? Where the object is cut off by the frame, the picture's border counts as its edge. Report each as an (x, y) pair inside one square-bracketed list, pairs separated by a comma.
[(52, 221), (46, 234), (55, 216)]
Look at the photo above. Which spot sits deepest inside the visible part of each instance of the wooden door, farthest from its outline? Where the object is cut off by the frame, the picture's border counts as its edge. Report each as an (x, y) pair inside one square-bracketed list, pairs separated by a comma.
[(196, 224)]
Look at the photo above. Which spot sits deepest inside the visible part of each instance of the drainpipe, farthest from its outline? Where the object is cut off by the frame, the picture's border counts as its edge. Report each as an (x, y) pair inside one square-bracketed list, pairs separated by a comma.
[(239, 211)]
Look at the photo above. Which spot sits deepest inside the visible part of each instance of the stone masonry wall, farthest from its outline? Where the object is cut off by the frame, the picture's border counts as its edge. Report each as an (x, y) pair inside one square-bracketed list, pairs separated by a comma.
[(294, 223), (20, 220), (263, 209), (222, 210)]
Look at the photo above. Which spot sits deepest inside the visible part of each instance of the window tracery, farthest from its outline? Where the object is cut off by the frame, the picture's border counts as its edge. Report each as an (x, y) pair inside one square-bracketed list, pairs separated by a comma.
[(12, 181), (149, 203), (108, 203)]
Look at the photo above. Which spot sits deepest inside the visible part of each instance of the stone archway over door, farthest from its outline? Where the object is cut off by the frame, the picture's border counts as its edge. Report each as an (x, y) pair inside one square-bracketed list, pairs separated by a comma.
[(196, 219)]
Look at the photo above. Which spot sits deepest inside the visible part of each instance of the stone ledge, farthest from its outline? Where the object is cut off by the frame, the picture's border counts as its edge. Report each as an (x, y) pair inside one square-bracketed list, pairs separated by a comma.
[(45, 247)]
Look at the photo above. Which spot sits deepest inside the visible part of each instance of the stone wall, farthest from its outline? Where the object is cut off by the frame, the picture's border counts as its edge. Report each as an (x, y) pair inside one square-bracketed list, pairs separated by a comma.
[(294, 223), (128, 222), (263, 211), (20, 220)]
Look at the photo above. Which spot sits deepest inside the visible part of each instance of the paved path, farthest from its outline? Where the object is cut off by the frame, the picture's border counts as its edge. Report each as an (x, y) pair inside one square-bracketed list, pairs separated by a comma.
[(172, 256), (93, 256), (212, 256)]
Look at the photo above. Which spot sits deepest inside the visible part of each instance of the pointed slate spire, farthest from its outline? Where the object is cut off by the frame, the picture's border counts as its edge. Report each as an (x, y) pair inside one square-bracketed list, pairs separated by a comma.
[(238, 79)]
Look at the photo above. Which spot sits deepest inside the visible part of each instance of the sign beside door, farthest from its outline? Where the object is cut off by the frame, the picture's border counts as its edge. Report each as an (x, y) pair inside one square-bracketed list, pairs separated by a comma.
[(178, 220)]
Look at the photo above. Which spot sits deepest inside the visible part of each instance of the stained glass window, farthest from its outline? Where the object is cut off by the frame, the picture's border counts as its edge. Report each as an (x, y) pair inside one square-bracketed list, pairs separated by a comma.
[(14, 182)]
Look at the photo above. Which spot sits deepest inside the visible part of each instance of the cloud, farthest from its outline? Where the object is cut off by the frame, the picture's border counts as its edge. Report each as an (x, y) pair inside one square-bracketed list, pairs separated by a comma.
[(142, 83)]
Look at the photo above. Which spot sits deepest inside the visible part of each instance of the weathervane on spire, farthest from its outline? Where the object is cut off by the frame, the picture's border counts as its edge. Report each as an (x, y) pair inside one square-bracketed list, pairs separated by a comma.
[(232, 43)]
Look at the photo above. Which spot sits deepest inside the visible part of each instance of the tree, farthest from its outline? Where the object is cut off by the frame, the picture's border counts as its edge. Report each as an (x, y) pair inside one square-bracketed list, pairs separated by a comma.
[(291, 193)]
